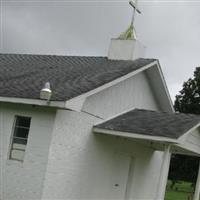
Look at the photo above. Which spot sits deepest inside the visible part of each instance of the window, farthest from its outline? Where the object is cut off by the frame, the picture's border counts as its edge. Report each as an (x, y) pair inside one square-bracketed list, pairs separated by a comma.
[(19, 138)]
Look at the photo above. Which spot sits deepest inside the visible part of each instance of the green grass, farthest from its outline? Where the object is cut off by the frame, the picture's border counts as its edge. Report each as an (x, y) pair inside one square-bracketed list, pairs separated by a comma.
[(180, 192), (172, 195)]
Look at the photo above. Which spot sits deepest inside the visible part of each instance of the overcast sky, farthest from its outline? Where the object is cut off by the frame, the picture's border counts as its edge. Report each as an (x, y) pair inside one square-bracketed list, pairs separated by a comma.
[(169, 29)]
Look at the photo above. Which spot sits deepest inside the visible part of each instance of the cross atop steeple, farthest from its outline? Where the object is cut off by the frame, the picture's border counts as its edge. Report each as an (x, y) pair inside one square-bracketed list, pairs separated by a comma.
[(130, 34), (135, 9)]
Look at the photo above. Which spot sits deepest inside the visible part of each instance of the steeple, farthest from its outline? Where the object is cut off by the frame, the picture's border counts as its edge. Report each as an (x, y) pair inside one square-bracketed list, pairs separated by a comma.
[(126, 46)]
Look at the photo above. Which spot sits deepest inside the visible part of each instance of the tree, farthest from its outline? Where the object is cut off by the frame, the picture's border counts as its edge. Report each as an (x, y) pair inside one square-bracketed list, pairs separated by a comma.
[(188, 101), (185, 168)]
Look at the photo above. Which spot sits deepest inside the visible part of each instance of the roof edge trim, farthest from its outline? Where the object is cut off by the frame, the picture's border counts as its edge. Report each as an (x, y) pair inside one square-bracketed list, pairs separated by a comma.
[(57, 104), (165, 85), (135, 135)]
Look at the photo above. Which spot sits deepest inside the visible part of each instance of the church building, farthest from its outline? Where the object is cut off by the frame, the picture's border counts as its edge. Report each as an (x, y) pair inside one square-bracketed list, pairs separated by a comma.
[(75, 127)]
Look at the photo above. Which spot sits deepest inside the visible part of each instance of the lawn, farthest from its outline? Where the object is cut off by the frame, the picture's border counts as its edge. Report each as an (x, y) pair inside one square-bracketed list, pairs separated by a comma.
[(181, 191)]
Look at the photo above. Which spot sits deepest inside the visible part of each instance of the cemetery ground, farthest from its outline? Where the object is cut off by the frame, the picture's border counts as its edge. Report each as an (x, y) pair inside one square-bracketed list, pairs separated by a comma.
[(181, 191)]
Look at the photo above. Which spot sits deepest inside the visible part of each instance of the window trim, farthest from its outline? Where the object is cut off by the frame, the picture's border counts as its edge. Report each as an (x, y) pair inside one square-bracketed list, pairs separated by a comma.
[(13, 137)]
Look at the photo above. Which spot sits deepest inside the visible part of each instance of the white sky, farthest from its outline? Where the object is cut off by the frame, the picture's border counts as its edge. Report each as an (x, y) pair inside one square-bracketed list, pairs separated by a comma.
[(169, 29)]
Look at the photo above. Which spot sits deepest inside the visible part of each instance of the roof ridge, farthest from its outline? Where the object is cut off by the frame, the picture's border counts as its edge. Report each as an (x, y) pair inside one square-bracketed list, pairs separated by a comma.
[(73, 56), (165, 112), (53, 55)]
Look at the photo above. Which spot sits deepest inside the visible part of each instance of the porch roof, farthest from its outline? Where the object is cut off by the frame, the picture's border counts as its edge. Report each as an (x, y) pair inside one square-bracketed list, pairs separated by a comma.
[(148, 123)]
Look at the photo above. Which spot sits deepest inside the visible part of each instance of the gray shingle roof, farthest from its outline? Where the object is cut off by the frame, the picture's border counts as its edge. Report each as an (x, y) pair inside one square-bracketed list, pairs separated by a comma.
[(145, 122), (23, 76)]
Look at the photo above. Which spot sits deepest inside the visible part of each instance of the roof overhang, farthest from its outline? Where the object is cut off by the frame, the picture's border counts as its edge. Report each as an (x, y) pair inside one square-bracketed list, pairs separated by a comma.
[(178, 146), (160, 89), (135, 135)]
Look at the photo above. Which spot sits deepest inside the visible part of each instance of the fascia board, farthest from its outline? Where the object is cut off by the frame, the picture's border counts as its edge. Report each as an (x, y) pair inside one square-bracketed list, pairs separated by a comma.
[(57, 104), (134, 135), (165, 86)]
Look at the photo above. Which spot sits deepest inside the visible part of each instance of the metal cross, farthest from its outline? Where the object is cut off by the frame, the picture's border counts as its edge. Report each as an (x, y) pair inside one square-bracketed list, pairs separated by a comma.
[(130, 33), (135, 9)]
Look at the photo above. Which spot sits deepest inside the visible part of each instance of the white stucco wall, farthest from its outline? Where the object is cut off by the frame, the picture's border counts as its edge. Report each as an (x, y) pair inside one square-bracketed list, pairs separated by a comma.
[(23, 181), (134, 92), (83, 165)]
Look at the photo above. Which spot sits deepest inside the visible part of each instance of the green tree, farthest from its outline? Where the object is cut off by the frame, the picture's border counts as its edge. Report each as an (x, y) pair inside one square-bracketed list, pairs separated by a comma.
[(188, 101), (185, 168)]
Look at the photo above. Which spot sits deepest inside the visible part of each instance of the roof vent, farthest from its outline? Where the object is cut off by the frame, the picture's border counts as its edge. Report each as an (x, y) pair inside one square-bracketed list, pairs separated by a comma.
[(46, 92)]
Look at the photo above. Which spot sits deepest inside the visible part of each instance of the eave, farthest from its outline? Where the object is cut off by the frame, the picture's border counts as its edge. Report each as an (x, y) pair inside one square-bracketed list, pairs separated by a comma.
[(135, 135), (38, 102), (179, 145)]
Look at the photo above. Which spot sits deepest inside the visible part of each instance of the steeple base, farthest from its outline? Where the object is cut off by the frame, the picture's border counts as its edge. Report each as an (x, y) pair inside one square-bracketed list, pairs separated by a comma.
[(125, 50)]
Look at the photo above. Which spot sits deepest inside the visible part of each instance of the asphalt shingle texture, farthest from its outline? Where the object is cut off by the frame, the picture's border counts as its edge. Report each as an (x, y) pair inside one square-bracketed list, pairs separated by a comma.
[(23, 76), (145, 122)]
